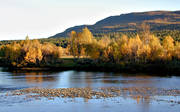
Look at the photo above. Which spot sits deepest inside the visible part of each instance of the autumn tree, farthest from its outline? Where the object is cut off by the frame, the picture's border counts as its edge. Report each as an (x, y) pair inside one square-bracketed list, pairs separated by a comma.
[(134, 45), (86, 36), (122, 44), (32, 51), (114, 52), (12, 53), (105, 48), (156, 48), (50, 52), (79, 41), (144, 53), (168, 45), (94, 50), (74, 44), (177, 50), (2, 50)]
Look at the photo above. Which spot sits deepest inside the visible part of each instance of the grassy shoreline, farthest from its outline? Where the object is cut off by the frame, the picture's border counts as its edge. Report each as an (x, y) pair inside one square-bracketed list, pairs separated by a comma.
[(168, 68)]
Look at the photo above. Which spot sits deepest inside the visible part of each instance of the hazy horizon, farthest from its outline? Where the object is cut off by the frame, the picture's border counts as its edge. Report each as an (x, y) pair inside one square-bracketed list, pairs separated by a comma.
[(44, 18)]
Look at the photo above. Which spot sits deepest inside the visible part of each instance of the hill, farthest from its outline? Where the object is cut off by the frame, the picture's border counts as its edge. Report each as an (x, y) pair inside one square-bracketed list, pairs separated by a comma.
[(158, 20)]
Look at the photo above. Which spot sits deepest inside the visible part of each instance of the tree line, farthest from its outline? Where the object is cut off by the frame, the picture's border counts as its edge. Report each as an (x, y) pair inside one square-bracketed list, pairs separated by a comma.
[(30, 52), (144, 47)]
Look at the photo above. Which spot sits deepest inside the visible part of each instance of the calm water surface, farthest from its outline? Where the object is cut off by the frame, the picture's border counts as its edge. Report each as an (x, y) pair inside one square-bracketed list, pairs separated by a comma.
[(72, 79)]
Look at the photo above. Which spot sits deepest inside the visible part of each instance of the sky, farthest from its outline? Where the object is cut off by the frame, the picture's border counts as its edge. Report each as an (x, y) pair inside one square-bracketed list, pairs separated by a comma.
[(44, 18)]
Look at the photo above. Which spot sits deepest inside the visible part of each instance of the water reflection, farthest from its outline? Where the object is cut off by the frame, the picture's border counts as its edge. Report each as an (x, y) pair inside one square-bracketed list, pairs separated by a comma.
[(68, 79), (34, 77), (39, 77)]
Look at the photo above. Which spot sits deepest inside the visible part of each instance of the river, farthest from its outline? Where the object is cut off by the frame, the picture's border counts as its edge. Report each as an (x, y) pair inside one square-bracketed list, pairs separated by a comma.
[(16, 80)]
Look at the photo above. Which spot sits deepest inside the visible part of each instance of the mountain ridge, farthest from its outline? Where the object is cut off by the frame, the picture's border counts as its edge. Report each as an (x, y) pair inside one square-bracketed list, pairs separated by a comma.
[(158, 20)]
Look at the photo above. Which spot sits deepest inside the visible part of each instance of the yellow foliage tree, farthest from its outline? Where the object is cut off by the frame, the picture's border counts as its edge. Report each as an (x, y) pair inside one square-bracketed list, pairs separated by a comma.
[(86, 36), (29, 52), (33, 53), (144, 53), (79, 41), (156, 48), (74, 44), (168, 45), (12, 53), (50, 52), (177, 50), (134, 45)]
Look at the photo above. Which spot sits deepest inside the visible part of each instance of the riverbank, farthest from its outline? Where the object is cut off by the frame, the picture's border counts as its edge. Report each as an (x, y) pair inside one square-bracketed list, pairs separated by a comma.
[(165, 68)]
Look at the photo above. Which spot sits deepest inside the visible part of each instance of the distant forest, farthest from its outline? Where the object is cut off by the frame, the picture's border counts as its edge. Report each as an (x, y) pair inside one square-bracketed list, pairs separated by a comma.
[(63, 41)]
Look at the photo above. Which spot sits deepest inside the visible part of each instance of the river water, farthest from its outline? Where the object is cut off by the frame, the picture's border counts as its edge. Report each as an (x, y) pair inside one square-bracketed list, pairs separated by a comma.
[(15, 80)]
